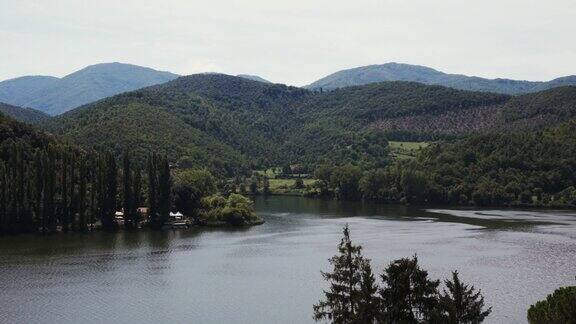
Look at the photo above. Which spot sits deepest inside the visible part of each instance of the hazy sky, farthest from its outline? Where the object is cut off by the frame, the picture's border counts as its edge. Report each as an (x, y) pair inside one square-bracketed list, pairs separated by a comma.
[(290, 41)]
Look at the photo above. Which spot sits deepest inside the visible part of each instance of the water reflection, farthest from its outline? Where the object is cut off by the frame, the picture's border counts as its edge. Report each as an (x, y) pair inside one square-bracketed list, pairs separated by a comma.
[(270, 273)]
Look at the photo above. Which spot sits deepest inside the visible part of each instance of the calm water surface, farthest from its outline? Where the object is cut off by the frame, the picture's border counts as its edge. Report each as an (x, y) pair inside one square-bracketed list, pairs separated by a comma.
[(270, 273)]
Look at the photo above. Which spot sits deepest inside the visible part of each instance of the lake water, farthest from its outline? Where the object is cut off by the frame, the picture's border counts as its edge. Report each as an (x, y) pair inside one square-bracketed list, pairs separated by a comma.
[(271, 273)]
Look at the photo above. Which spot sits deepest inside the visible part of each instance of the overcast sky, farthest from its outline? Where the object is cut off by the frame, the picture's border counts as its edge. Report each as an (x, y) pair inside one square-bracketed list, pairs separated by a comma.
[(290, 41)]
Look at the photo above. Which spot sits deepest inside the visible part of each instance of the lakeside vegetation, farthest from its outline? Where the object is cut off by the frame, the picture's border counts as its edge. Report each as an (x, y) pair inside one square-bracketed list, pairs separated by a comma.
[(526, 169), (48, 186)]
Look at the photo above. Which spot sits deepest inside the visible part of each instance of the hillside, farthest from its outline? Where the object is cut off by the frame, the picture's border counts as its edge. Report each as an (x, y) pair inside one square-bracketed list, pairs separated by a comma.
[(415, 73), (503, 168), (257, 123), (25, 115), (12, 131), (55, 96), (223, 121), (530, 112)]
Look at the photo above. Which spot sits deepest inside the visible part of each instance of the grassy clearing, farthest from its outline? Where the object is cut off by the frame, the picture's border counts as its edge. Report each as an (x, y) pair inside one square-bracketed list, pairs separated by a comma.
[(288, 183), (406, 150)]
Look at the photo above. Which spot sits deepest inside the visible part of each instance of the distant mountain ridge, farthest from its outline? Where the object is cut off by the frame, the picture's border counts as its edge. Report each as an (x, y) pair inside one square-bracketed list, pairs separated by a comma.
[(253, 78), (422, 74), (57, 95), (24, 115)]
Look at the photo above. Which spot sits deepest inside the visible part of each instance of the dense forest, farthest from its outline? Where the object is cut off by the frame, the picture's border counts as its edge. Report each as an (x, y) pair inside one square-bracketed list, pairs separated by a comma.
[(530, 169), (489, 149), (48, 186), (233, 125)]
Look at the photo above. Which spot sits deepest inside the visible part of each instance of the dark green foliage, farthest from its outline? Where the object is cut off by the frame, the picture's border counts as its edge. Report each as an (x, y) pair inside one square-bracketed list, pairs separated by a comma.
[(152, 166), (460, 303), (536, 169), (558, 308), (236, 210), (190, 186), (129, 203), (345, 181), (164, 191), (407, 295), (350, 285), (226, 122), (46, 186)]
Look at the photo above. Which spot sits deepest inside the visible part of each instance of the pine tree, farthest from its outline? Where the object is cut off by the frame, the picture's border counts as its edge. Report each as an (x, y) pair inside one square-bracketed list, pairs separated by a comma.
[(368, 303), (342, 300), (408, 296), (460, 303)]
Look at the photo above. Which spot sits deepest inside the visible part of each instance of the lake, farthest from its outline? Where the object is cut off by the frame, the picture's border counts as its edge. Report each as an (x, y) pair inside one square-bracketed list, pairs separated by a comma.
[(271, 273)]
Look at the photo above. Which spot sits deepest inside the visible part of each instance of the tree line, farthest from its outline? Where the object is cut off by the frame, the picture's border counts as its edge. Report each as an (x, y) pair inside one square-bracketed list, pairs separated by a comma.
[(60, 188), (406, 294), (536, 169)]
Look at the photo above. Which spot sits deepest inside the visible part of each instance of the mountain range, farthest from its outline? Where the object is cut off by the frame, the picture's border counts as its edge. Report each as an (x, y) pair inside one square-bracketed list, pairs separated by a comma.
[(54, 96), (415, 73)]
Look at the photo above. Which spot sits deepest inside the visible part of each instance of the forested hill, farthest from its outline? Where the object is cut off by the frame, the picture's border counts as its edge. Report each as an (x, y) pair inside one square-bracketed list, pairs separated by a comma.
[(406, 72), (13, 131), (530, 112), (215, 120), (57, 95), (531, 168), (231, 123), (25, 115)]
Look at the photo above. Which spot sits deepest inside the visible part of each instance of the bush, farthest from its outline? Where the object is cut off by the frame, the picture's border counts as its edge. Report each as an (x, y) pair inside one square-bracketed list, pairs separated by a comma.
[(236, 210)]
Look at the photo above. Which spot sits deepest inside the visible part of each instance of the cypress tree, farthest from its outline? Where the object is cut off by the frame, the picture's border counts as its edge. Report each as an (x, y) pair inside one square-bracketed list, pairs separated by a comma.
[(82, 222), (137, 194), (18, 222), (164, 187), (93, 190), (65, 210), (127, 193), (73, 196), (49, 185), (152, 190), (3, 197), (111, 189), (38, 187)]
